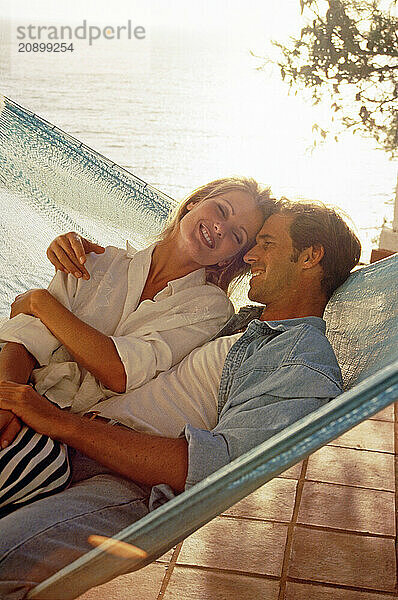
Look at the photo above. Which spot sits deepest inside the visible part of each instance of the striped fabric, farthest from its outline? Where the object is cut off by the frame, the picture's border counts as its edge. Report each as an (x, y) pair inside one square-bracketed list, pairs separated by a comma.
[(32, 467)]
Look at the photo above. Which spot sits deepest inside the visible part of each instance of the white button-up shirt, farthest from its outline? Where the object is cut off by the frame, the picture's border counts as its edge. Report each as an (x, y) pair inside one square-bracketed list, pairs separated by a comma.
[(150, 337), (187, 393)]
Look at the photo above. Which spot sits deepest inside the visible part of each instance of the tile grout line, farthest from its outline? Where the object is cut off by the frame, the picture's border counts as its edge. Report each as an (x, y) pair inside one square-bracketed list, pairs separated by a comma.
[(169, 571), (290, 531), (343, 587), (311, 525), (226, 571), (341, 483), (324, 528), (351, 485), (346, 447)]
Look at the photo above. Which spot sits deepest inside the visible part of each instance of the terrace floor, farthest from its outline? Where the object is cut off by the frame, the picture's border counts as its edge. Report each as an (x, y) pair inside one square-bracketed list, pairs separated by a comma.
[(324, 530)]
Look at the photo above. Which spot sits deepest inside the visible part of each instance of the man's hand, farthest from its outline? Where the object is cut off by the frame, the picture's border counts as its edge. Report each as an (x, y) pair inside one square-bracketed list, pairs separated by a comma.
[(34, 410), (141, 457), (10, 426), (28, 303), (68, 253)]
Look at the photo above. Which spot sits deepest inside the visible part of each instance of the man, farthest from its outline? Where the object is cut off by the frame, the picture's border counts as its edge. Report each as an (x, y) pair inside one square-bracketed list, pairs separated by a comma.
[(281, 368)]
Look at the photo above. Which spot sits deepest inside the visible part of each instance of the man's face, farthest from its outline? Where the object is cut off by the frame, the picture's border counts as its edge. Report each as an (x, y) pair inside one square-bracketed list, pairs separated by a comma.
[(275, 276)]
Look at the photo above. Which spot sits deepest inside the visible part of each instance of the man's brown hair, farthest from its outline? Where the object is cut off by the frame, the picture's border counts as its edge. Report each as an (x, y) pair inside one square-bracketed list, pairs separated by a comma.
[(315, 224)]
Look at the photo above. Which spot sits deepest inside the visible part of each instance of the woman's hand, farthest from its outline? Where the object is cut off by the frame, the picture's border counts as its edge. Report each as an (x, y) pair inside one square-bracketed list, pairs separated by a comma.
[(68, 253), (28, 303), (34, 410)]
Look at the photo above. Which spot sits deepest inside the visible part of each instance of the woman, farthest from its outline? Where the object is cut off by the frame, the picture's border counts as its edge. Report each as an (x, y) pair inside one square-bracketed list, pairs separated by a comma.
[(139, 314)]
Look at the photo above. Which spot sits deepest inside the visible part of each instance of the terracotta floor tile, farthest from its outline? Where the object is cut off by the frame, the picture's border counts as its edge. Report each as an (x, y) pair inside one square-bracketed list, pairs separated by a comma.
[(143, 584), (352, 467), (273, 501), (293, 472), (344, 507), (387, 414), (369, 435), (236, 544), (343, 559), (306, 591), (196, 584)]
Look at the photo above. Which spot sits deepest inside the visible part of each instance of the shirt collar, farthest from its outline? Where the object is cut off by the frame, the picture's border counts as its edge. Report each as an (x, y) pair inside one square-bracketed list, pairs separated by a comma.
[(131, 251), (193, 279), (286, 324)]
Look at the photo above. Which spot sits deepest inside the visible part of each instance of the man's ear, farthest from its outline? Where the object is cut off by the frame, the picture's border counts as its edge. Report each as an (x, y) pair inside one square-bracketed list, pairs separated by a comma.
[(312, 256)]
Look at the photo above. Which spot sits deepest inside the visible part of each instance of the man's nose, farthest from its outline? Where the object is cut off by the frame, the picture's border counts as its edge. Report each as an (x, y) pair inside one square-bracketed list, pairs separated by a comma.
[(250, 256)]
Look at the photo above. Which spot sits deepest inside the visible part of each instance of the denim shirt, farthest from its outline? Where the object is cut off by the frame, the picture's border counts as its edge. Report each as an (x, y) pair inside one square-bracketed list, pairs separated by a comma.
[(276, 373)]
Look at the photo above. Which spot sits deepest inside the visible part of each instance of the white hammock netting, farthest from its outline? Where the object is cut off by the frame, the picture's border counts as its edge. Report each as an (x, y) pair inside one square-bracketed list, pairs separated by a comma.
[(51, 183)]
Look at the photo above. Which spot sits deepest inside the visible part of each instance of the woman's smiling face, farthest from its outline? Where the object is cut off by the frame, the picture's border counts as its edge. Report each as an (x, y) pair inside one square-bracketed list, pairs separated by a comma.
[(216, 229)]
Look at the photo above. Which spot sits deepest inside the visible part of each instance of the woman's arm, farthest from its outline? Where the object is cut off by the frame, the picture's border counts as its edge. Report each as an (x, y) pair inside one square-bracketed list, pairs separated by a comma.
[(92, 349), (16, 363)]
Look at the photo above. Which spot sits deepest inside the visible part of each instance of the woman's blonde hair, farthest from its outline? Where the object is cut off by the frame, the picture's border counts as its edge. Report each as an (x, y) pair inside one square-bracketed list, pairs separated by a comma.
[(236, 267)]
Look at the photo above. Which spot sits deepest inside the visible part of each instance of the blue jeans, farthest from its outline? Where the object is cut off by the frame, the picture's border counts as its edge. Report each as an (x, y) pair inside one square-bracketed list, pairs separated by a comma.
[(39, 539)]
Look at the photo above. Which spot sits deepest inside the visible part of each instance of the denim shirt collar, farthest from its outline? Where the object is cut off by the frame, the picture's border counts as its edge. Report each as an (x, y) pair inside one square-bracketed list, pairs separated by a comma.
[(257, 326)]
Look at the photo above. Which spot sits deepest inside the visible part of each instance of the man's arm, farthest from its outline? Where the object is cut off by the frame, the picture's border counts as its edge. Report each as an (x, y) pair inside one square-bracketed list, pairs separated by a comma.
[(144, 458), (16, 364), (141, 457)]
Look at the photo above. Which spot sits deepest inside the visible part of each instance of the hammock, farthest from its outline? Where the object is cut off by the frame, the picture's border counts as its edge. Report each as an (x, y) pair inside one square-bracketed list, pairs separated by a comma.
[(51, 183), (52, 176)]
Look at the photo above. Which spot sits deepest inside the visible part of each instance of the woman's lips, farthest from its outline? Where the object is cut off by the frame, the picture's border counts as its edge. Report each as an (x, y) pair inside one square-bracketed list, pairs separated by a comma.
[(205, 236)]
